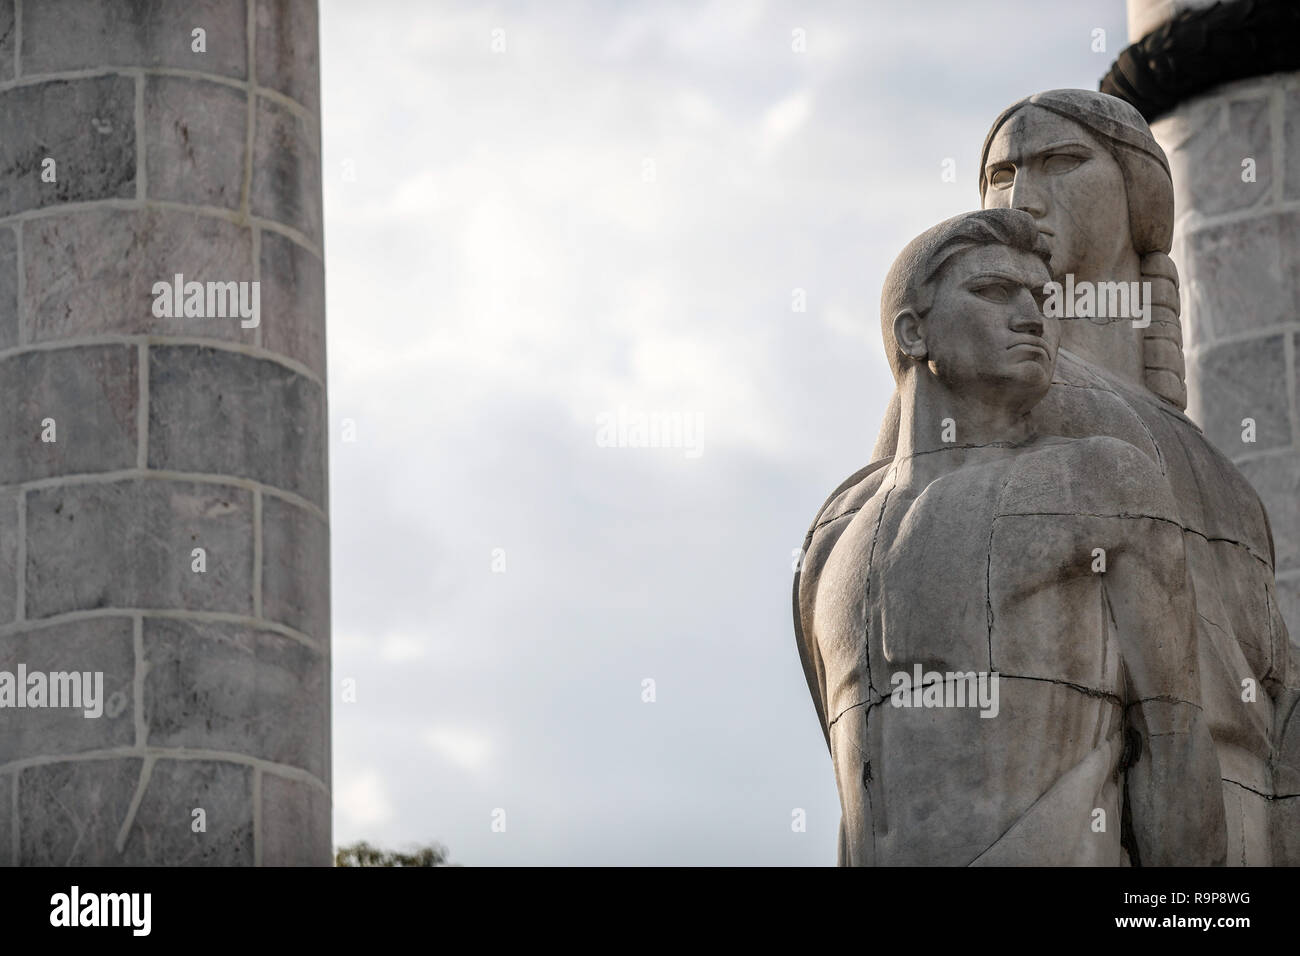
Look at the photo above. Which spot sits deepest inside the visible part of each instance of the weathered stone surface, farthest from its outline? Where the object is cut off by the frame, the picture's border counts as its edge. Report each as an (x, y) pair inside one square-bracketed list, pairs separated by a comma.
[(1017, 546), (163, 831), (295, 568), (1288, 599), (90, 393), (1127, 191), (10, 502), (8, 35), (1277, 479), (81, 266), (1251, 844), (71, 812), (286, 169), (1238, 380), (87, 126), (192, 154), (129, 544), (8, 288), (288, 60), (1214, 137), (1291, 147), (1247, 272), (295, 823), (102, 645), (258, 419), (7, 820), (217, 686), (293, 301), (1286, 828), (72, 35), (93, 272), (1063, 577)]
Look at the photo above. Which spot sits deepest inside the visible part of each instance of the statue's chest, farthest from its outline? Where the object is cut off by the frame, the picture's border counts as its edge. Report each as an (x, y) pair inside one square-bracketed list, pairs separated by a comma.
[(927, 594), (908, 580)]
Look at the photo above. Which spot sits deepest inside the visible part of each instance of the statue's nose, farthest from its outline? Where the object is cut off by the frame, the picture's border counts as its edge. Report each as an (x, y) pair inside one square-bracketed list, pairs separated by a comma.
[(1026, 195), (1026, 318)]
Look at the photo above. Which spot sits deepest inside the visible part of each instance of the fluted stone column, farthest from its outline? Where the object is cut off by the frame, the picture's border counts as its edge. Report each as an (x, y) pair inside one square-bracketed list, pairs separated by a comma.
[(1235, 156), (132, 149)]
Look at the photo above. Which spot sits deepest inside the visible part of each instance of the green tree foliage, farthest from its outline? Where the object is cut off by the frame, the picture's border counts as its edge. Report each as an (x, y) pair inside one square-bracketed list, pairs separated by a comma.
[(363, 854)]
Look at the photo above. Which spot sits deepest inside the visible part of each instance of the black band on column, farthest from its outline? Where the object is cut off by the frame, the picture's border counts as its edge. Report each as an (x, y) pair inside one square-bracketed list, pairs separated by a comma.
[(1204, 48)]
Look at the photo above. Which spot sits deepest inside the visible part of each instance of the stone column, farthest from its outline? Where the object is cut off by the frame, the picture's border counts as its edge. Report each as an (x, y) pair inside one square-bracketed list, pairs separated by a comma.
[(1234, 151), (163, 483)]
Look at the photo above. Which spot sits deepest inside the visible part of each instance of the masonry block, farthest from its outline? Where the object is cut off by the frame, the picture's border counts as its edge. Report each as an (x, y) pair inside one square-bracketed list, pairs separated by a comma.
[(71, 812), (295, 823), (93, 272), (130, 544), (74, 35), (193, 153), (1214, 137), (84, 399), (293, 301), (295, 568), (1247, 274), (164, 831), (288, 58), (100, 645), (1235, 381), (258, 419), (86, 126), (286, 169), (228, 687)]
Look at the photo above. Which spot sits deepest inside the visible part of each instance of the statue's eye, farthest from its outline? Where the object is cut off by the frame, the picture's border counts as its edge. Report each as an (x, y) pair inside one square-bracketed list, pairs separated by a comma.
[(1002, 178), (994, 292), (1061, 163)]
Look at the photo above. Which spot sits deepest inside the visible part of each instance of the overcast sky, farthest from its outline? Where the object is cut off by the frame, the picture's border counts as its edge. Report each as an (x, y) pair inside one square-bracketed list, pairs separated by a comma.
[(608, 218)]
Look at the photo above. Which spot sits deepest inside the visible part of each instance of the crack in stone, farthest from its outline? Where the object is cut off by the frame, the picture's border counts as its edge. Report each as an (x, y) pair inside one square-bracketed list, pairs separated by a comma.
[(822, 524), (1279, 796), (868, 702), (988, 571), (1081, 688), (871, 560)]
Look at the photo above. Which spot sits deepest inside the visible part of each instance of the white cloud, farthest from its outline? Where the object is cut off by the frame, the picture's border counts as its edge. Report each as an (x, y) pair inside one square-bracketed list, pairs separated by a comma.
[(785, 118), (499, 273), (467, 749), (362, 798)]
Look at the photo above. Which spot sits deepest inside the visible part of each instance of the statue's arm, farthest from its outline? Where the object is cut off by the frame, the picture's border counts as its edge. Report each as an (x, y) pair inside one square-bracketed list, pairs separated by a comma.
[(805, 592), (817, 546), (1173, 786)]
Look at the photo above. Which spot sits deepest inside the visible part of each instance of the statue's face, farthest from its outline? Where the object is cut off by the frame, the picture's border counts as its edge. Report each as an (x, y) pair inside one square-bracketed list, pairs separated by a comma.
[(985, 332), (1058, 172)]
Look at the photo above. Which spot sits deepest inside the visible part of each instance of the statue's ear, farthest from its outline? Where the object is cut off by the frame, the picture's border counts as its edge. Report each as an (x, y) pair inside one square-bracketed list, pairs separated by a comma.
[(909, 333)]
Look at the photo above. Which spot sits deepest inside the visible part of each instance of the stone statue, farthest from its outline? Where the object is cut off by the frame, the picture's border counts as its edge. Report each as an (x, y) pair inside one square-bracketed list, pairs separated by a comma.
[(1086, 169), (970, 558)]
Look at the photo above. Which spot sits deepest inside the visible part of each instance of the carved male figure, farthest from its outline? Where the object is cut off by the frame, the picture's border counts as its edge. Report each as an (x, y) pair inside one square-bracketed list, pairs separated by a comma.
[(1088, 171), (976, 552)]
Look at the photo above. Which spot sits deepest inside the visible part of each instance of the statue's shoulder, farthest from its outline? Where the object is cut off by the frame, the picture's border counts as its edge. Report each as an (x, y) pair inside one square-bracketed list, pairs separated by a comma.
[(831, 520), (1098, 475), (850, 495)]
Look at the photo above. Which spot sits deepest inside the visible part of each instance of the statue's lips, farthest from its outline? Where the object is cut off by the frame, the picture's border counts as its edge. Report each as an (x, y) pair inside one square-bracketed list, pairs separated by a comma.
[(1036, 346)]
